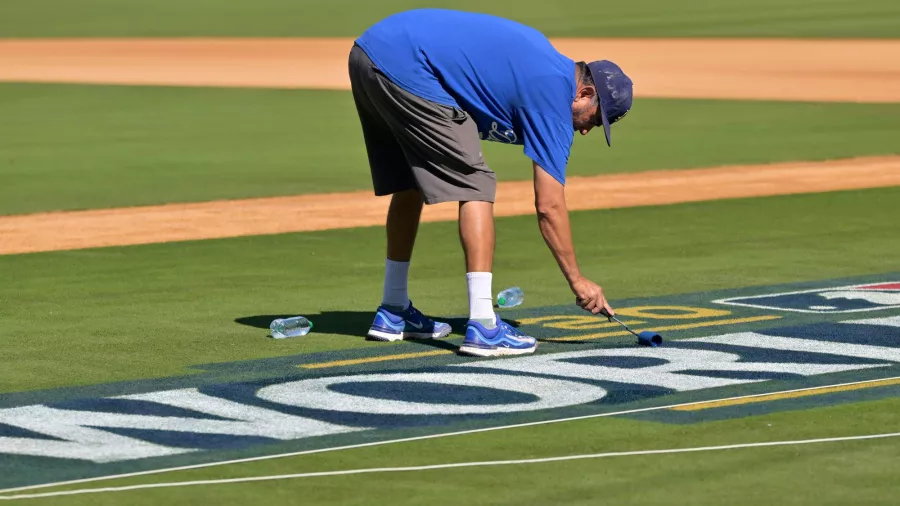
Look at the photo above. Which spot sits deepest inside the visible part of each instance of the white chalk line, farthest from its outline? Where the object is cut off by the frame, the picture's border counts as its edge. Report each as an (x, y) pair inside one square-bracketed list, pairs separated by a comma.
[(418, 438), (432, 467)]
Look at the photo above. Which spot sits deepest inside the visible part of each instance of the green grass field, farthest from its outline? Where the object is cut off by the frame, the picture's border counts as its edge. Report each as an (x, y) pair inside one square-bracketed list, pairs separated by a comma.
[(308, 18), (155, 311), (80, 327), (81, 147), (162, 308), (853, 472)]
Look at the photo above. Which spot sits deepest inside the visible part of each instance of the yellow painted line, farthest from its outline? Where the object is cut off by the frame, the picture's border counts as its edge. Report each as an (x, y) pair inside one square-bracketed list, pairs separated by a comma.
[(385, 358), (788, 395), (683, 326)]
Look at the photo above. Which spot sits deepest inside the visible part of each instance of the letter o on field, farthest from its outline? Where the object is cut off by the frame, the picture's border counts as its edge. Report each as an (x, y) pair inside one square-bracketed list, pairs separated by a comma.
[(671, 312), (315, 394)]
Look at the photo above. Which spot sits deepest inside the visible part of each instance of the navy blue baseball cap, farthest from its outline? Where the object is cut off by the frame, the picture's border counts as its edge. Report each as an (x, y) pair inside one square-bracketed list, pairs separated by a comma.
[(614, 89)]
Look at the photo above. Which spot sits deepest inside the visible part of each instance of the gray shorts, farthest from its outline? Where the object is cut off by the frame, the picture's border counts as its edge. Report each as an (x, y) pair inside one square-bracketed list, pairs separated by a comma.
[(414, 143)]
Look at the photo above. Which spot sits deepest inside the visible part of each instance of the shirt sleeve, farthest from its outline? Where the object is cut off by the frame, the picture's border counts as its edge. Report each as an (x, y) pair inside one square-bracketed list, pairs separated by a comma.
[(547, 141)]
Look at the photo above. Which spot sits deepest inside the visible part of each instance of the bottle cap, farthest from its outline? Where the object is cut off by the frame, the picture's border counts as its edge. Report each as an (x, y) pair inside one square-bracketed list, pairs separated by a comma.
[(501, 300), (310, 325)]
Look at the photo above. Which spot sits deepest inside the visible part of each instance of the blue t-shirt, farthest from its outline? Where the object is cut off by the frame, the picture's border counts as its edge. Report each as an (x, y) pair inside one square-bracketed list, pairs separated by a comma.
[(518, 88)]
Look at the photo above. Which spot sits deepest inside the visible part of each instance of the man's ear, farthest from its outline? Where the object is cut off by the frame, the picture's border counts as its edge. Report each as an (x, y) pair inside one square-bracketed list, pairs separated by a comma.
[(587, 92)]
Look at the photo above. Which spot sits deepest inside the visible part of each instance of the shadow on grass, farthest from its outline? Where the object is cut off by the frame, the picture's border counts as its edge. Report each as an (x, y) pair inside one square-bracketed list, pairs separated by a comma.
[(356, 324), (557, 341)]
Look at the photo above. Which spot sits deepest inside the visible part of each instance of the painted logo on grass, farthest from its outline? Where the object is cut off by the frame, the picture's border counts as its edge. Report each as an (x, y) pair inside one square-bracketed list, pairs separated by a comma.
[(841, 299), (328, 400), (187, 420)]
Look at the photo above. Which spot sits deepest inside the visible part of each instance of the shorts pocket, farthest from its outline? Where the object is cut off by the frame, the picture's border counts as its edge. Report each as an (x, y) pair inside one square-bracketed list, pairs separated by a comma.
[(469, 143), (458, 115)]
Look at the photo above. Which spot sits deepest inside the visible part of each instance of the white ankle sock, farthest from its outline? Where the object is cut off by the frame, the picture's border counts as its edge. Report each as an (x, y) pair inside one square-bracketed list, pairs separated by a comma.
[(396, 282), (481, 301)]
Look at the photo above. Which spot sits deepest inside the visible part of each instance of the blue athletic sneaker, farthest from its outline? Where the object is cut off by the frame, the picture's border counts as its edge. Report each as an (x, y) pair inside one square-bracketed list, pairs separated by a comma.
[(409, 324), (504, 339)]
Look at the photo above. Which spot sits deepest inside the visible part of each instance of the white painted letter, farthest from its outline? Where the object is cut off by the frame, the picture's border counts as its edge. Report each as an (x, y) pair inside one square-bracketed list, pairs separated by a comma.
[(674, 374), (314, 393), (83, 441)]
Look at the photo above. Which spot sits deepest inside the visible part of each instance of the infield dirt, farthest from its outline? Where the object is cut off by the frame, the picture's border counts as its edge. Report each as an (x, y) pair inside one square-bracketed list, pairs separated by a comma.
[(232, 218), (740, 69)]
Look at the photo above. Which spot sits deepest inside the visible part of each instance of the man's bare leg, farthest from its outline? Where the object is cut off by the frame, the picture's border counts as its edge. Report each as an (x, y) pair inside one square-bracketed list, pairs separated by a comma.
[(401, 227), (476, 232)]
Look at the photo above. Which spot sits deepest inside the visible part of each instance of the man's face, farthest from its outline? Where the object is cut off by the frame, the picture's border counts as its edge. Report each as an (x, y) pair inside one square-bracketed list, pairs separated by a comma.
[(585, 110)]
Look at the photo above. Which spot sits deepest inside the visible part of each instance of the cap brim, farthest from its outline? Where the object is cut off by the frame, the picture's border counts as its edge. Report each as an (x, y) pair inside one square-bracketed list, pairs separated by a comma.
[(599, 79), (605, 123)]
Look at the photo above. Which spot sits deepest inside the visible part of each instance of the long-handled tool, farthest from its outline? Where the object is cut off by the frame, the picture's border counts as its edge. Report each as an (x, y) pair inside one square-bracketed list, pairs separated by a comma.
[(646, 338)]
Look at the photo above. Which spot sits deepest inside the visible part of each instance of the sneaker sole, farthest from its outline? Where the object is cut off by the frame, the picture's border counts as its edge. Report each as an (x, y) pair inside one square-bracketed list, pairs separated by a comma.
[(494, 352), (385, 336)]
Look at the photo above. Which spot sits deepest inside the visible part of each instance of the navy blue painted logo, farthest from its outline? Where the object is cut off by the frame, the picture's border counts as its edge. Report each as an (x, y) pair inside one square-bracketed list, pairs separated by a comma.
[(841, 299)]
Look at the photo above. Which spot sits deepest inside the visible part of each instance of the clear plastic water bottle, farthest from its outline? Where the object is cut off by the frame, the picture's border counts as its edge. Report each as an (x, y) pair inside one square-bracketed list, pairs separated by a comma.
[(511, 297), (296, 326)]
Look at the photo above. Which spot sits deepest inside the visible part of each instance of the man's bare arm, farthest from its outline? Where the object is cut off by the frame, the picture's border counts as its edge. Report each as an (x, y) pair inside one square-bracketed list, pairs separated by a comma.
[(553, 220)]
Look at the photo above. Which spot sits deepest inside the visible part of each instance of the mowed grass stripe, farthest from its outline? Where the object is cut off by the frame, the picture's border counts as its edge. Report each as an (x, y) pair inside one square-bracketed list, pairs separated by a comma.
[(73, 147), (453, 465), (789, 395), (212, 220), (286, 18)]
